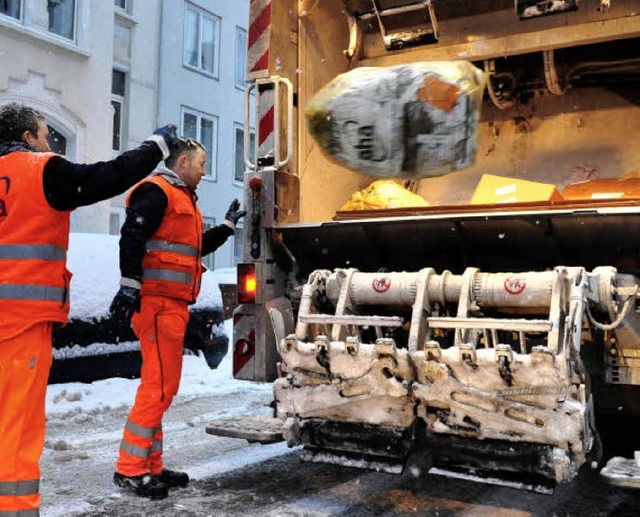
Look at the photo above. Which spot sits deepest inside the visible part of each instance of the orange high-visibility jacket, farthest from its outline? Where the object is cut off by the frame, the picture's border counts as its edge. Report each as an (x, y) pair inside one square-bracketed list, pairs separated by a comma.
[(172, 263), (34, 238)]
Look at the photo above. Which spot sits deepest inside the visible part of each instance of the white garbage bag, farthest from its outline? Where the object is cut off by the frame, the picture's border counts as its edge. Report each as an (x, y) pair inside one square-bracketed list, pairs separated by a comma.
[(409, 121)]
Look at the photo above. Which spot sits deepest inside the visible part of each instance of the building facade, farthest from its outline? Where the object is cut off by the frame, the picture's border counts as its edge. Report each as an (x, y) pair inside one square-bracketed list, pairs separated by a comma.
[(105, 74)]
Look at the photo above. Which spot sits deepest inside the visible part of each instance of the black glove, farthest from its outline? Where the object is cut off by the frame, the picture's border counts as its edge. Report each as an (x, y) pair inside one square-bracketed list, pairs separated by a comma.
[(168, 133), (234, 214), (125, 303)]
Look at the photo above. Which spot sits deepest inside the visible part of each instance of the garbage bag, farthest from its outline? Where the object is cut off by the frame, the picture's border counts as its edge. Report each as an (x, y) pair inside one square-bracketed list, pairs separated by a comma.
[(383, 194), (409, 121)]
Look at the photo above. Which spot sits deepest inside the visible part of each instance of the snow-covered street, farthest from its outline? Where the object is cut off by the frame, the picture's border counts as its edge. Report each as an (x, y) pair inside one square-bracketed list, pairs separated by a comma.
[(84, 428), (234, 478)]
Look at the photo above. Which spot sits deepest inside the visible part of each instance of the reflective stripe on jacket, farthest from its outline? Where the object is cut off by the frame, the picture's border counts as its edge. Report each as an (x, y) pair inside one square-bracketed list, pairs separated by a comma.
[(34, 238), (172, 264)]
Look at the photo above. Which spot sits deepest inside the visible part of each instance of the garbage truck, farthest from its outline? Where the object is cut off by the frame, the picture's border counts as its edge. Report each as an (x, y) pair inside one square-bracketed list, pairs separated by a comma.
[(493, 329)]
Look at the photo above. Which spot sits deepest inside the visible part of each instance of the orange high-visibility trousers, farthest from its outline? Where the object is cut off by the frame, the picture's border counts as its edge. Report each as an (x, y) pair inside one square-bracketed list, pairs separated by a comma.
[(25, 362), (160, 326)]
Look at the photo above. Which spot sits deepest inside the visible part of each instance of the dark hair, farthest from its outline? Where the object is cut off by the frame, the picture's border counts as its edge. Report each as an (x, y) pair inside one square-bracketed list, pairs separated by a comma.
[(15, 119), (185, 145)]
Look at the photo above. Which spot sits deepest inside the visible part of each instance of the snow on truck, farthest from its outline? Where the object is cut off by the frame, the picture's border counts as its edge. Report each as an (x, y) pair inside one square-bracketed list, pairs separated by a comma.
[(493, 329)]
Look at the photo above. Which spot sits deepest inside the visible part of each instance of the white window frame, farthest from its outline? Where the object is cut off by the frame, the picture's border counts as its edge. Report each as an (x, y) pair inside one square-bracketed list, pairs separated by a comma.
[(216, 43), (241, 58), (252, 131), (19, 19), (55, 128), (120, 99), (210, 260), (125, 9), (73, 39), (213, 157)]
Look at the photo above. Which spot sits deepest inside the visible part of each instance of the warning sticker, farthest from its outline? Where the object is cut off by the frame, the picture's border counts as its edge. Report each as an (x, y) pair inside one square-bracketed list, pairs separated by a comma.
[(515, 284), (381, 285)]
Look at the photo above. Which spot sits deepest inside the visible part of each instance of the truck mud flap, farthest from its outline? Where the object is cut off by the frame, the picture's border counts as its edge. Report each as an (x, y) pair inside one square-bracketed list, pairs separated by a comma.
[(253, 429), (622, 472)]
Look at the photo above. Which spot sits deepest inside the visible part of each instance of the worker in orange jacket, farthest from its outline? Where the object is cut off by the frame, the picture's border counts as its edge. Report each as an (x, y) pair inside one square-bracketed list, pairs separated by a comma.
[(38, 191), (161, 246)]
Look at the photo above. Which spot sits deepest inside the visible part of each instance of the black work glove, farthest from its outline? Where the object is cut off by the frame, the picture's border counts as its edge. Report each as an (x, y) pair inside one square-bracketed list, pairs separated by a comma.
[(234, 214), (169, 135), (125, 303)]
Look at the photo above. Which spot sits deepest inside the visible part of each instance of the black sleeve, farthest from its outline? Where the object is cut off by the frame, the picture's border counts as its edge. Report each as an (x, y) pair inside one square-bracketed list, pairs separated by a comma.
[(68, 185), (214, 238), (144, 215)]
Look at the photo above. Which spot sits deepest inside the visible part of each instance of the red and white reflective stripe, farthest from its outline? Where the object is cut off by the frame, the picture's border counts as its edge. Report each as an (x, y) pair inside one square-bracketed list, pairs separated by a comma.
[(259, 34), (266, 135), (244, 347), (258, 68)]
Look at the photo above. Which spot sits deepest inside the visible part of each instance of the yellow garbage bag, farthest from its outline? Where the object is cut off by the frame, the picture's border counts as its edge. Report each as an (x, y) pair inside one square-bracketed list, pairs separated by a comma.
[(383, 194)]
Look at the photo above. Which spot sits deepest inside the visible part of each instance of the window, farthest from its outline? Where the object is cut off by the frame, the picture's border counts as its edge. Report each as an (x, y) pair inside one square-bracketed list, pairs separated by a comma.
[(117, 216), (204, 129), (241, 58), (209, 261), (118, 80), (122, 4), (10, 8), (239, 151), (201, 35), (238, 245), (57, 141), (62, 17)]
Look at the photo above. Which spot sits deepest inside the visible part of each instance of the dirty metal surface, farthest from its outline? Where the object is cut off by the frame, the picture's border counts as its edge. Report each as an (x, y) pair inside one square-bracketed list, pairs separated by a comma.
[(253, 429), (624, 472)]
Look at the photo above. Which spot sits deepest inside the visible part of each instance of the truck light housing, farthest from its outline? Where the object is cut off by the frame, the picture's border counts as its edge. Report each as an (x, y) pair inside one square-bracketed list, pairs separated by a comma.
[(247, 283)]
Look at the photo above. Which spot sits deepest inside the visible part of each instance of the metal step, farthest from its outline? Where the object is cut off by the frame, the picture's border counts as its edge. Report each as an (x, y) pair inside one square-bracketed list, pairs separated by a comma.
[(251, 428), (622, 472)]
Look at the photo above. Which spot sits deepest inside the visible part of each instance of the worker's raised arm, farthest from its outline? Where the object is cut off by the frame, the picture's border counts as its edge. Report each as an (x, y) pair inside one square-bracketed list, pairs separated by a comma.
[(68, 185)]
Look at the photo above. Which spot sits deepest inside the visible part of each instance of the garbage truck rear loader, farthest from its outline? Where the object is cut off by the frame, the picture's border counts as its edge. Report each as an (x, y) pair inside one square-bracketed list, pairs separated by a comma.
[(495, 328)]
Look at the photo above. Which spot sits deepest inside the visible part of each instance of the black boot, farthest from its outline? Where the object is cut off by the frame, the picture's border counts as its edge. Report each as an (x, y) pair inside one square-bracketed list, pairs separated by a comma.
[(173, 479), (144, 485)]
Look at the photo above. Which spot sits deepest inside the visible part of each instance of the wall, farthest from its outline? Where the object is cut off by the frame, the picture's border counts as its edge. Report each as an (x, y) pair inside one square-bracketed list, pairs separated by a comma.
[(68, 81)]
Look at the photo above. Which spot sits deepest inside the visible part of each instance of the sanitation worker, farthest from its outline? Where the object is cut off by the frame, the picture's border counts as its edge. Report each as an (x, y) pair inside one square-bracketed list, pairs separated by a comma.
[(161, 246), (38, 191)]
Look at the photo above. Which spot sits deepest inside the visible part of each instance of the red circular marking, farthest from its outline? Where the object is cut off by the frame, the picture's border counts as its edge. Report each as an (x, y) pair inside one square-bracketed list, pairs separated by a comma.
[(514, 284), (381, 285)]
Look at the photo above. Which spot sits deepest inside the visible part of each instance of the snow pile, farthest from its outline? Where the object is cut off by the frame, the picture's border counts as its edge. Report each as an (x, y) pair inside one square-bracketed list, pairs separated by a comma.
[(77, 399), (93, 259)]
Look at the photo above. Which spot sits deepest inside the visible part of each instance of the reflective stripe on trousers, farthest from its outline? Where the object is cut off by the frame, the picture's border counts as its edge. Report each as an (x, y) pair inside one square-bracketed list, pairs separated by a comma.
[(141, 434), (25, 362), (160, 326), (20, 513)]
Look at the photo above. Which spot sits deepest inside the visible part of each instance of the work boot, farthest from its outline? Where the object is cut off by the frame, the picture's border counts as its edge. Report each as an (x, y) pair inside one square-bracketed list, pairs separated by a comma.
[(172, 479), (144, 485)]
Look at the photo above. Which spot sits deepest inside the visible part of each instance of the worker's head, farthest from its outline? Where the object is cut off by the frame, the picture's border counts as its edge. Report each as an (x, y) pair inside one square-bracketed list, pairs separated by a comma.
[(188, 161), (21, 124)]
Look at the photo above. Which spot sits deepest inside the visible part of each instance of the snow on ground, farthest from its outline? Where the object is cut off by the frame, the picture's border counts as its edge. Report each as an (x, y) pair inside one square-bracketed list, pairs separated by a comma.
[(85, 423), (197, 380)]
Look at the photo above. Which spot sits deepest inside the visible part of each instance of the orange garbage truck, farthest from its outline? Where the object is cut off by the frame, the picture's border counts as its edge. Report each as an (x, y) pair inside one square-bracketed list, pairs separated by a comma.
[(489, 318)]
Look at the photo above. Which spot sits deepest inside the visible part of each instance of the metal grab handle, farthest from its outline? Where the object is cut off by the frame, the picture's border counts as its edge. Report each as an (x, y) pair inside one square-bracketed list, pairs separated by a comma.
[(276, 81), (276, 154), (247, 135)]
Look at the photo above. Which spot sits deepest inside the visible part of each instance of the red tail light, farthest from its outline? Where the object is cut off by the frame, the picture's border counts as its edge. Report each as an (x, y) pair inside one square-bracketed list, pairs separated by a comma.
[(247, 283)]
